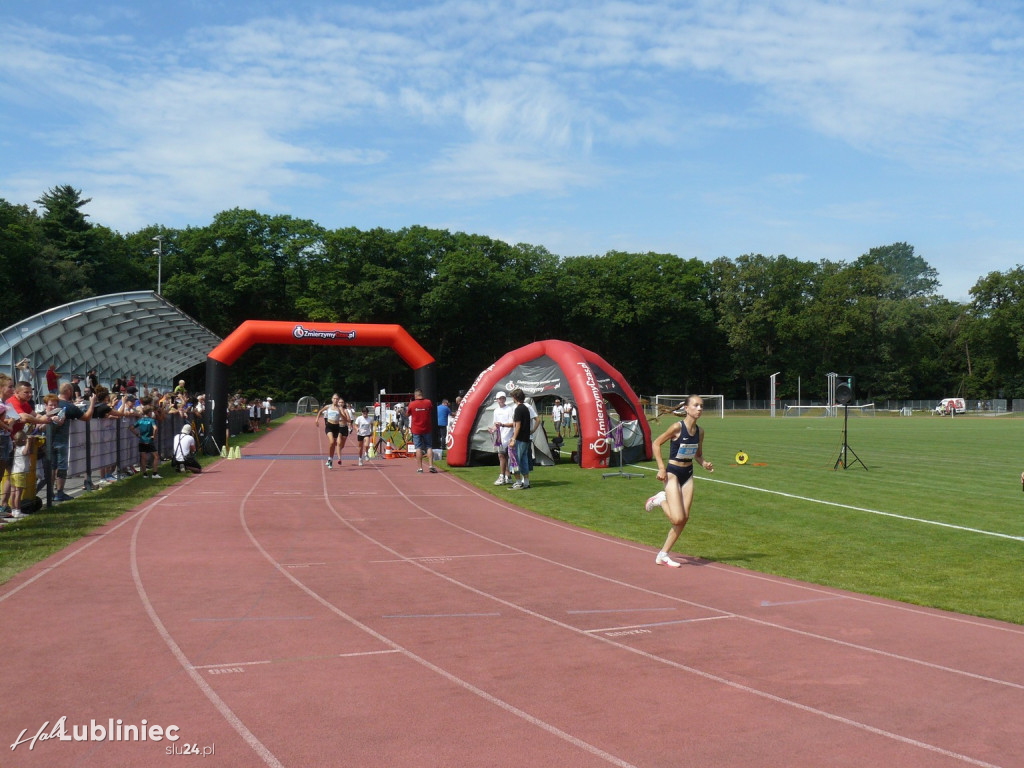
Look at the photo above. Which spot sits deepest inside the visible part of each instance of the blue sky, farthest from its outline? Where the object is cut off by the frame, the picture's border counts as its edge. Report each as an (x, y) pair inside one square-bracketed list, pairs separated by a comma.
[(704, 129)]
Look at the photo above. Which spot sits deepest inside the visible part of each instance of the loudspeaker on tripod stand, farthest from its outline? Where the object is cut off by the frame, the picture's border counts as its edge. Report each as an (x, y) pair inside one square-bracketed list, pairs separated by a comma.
[(844, 392), (844, 395)]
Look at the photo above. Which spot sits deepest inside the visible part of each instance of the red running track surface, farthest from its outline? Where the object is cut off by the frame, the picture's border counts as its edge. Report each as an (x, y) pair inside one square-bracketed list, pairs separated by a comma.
[(277, 613)]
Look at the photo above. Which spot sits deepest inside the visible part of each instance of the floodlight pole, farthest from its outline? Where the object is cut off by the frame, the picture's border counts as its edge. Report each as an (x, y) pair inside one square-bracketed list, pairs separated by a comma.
[(159, 253)]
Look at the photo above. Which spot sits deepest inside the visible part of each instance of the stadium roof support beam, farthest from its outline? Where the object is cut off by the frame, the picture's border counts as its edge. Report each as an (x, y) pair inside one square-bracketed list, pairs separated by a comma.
[(138, 332)]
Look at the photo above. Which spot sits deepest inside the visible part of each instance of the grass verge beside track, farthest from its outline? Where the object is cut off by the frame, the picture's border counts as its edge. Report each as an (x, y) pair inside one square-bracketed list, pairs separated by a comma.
[(26, 542), (935, 519)]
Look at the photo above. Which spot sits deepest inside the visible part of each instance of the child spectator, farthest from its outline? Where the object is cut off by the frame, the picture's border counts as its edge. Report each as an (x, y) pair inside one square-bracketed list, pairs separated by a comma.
[(6, 446), (23, 447)]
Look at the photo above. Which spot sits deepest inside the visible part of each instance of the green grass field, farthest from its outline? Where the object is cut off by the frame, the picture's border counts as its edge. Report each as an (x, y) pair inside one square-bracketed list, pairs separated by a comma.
[(936, 519)]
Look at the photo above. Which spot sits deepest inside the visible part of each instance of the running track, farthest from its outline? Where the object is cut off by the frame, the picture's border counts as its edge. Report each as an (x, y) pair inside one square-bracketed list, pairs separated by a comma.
[(281, 614)]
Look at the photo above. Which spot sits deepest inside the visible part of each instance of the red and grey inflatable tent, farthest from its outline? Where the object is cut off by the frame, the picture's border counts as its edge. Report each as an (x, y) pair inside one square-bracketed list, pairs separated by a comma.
[(544, 369)]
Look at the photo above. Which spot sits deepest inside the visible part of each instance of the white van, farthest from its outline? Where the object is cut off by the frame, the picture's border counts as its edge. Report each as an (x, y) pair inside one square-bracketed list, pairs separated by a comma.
[(954, 404)]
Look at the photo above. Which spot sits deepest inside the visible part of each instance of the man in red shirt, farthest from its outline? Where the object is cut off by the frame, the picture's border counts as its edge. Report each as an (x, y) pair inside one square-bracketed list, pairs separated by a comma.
[(20, 408), (421, 423)]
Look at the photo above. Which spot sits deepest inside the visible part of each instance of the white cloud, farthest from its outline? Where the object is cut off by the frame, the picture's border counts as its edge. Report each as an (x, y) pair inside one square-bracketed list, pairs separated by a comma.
[(468, 102)]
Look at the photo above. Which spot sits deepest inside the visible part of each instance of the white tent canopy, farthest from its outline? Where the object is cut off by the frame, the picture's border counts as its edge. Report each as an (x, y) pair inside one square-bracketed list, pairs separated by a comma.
[(120, 333)]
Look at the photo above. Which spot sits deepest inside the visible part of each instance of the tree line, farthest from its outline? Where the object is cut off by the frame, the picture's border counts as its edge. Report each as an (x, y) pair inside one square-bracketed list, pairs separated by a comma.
[(668, 324)]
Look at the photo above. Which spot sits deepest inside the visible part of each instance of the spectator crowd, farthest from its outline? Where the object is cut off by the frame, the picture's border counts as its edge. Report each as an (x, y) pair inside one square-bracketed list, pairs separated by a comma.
[(102, 432)]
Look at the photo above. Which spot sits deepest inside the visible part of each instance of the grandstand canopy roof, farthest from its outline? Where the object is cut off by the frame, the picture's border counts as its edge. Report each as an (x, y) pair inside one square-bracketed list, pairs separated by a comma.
[(120, 333)]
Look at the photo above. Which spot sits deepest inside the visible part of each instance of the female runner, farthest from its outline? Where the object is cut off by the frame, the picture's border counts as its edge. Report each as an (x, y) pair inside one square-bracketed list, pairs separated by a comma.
[(347, 419), (364, 433), (334, 417), (686, 446)]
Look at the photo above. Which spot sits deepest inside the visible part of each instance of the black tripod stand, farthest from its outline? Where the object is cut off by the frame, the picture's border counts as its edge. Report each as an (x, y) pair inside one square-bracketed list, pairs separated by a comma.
[(842, 460)]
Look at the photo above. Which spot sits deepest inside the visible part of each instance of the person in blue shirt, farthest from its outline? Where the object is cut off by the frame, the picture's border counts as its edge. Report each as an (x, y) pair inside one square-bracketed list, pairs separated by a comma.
[(145, 429), (444, 411)]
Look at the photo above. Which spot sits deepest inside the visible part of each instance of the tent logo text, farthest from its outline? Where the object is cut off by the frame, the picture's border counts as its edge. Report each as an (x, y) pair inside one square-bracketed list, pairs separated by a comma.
[(308, 333)]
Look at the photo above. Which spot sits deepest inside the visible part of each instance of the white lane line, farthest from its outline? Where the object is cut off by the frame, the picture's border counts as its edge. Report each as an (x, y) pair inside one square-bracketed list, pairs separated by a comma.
[(255, 618), (353, 655), (226, 712), (623, 610), (735, 571), (97, 537), (769, 604), (438, 615), (693, 670), (452, 678), (660, 624)]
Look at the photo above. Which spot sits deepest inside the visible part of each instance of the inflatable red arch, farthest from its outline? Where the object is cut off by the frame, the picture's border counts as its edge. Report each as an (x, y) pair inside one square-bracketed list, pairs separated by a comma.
[(559, 368), (289, 332)]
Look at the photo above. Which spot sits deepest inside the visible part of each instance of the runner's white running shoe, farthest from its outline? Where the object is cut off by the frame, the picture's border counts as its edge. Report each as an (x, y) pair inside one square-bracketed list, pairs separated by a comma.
[(664, 559), (655, 501)]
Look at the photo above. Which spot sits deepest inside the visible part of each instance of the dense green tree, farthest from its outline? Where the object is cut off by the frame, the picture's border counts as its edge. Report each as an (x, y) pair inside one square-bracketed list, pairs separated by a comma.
[(21, 240), (995, 338), (906, 274), (762, 302), (71, 250), (648, 314), (477, 303), (669, 324)]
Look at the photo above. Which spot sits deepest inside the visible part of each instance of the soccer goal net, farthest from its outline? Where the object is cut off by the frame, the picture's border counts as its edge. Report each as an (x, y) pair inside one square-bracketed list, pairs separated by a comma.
[(829, 410), (859, 410), (669, 403), (809, 410)]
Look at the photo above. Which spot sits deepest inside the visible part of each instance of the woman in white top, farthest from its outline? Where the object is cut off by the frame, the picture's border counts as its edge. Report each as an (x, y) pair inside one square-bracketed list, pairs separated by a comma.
[(334, 419), (364, 433)]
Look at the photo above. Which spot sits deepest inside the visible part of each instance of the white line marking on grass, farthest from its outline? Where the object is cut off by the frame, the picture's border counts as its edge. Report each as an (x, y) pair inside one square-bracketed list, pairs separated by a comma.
[(870, 511), (996, 534)]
